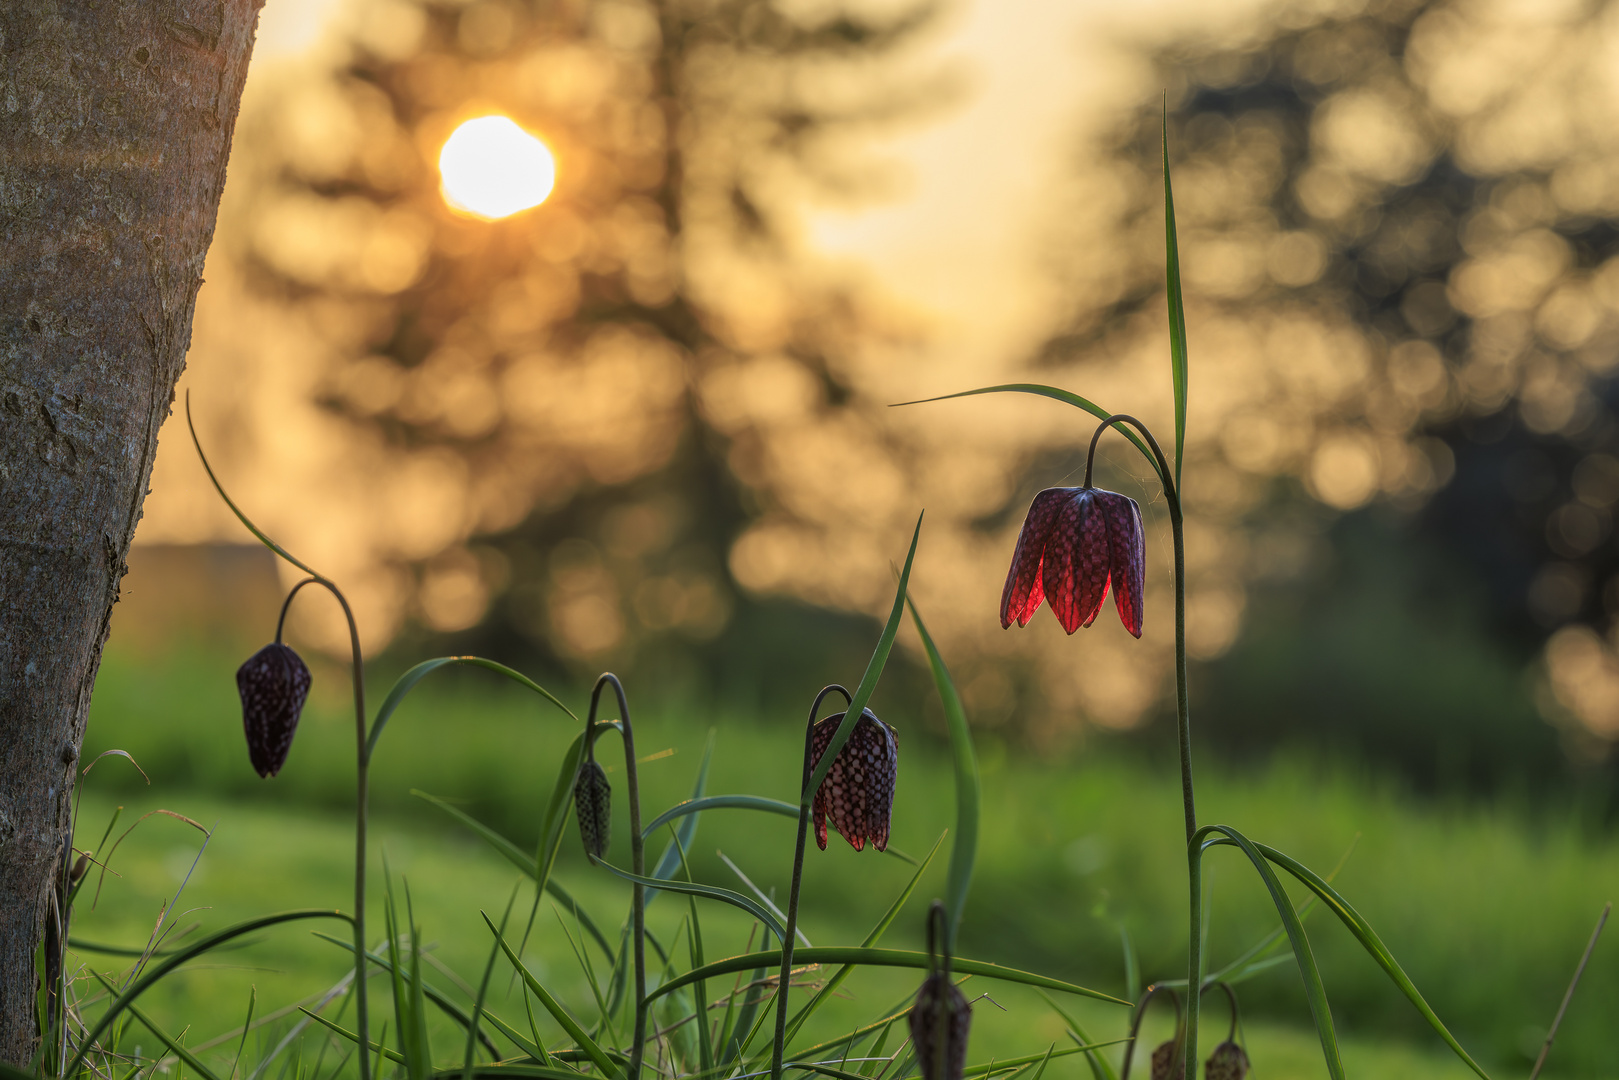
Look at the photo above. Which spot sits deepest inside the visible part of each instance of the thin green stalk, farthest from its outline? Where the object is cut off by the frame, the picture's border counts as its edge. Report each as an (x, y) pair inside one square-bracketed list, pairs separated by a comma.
[(1183, 714), (637, 863), (787, 941), (362, 798)]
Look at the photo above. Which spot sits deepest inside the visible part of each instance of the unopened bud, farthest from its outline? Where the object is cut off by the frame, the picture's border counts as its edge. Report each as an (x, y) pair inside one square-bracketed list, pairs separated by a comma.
[(939, 1023), (1166, 1061), (274, 684), (593, 803), (1228, 1062), (80, 865)]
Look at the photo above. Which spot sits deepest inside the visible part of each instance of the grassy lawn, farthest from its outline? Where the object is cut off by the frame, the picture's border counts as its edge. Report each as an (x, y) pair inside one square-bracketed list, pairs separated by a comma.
[(1487, 909)]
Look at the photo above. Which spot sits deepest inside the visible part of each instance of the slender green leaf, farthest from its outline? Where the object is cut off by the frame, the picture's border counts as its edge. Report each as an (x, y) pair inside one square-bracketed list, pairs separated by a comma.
[(247, 1027), (712, 892), (162, 1036), (1177, 309), (964, 849), (1371, 943), (1055, 394), (438, 997), (868, 682), (694, 939), (687, 831), (554, 1007), (406, 682), (1101, 1067), (494, 1072), (180, 956), (838, 954), (483, 988), (1314, 991), (721, 802), (385, 1051)]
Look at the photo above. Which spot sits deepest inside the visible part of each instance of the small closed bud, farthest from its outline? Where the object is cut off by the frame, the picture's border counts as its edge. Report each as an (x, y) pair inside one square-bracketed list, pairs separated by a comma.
[(1166, 1061), (80, 865), (858, 792), (274, 684), (1228, 1062), (593, 803), (940, 1013)]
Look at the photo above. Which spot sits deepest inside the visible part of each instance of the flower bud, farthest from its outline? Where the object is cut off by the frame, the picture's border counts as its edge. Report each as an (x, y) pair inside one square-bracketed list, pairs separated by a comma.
[(1228, 1062), (274, 683), (939, 1022), (1166, 1061), (593, 803), (80, 865), (858, 792)]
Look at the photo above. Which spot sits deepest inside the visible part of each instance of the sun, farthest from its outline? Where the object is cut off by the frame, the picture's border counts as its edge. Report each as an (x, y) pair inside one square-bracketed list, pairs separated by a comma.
[(491, 168)]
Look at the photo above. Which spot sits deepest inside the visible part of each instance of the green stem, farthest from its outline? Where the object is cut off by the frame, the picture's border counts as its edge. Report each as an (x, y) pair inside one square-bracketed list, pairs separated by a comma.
[(780, 1046), (1183, 715), (362, 796), (637, 862)]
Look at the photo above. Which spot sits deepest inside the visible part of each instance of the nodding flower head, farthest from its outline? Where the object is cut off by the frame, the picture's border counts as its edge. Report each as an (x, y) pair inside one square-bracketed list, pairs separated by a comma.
[(1167, 1060), (274, 683), (941, 1018), (858, 792), (1228, 1062), (593, 802), (1075, 543)]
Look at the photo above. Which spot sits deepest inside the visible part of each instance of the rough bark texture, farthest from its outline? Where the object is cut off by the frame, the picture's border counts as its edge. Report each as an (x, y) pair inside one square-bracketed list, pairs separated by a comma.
[(115, 126)]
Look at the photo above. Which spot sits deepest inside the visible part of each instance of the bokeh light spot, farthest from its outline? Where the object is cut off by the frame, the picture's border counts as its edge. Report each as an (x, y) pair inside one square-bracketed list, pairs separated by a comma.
[(491, 168)]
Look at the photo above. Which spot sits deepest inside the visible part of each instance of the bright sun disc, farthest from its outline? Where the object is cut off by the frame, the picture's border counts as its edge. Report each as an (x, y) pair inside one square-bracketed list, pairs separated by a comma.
[(491, 168)]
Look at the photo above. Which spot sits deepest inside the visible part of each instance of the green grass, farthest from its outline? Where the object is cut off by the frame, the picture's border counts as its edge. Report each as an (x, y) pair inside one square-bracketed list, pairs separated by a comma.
[(1487, 909)]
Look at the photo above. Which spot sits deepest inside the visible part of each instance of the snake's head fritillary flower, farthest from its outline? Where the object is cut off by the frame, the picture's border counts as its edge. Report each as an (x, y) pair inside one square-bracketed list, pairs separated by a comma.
[(1166, 1060), (858, 792), (940, 1013), (1228, 1062), (1076, 542), (274, 684), (592, 802)]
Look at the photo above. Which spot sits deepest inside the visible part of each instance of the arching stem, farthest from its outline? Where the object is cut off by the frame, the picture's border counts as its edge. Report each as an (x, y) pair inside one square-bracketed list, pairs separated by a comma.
[(780, 1045), (637, 857), (362, 796), (1183, 713)]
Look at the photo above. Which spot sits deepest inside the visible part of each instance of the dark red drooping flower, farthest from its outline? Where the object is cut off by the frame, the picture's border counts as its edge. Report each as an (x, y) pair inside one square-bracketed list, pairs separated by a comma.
[(1075, 543), (1228, 1062), (858, 792), (274, 683)]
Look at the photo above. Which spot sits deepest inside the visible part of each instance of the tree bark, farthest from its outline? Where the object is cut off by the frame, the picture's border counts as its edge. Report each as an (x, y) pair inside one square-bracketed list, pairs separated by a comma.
[(115, 125)]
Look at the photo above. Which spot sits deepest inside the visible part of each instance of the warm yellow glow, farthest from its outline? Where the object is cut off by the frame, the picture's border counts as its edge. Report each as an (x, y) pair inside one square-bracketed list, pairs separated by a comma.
[(491, 168)]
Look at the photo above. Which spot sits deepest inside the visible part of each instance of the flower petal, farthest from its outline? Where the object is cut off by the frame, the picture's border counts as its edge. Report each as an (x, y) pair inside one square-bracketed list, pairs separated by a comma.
[(1023, 591), (1076, 564), (1127, 556)]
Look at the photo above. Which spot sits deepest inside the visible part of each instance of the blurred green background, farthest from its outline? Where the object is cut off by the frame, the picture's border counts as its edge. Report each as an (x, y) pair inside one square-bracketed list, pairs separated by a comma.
[(645, 426)]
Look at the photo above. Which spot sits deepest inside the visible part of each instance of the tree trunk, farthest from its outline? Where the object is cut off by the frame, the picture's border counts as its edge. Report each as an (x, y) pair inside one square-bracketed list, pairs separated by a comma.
[(115, 125)]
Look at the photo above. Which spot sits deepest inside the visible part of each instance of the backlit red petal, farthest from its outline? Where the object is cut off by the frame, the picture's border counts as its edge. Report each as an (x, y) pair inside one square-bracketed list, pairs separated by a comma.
[(1076, 564), (1127, 557), (1023, 591)]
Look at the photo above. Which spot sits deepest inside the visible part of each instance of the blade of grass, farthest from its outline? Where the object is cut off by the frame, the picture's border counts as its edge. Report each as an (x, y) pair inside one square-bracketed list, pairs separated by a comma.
[(1314, 991), (382, 1051), (1177, 308), (721, 802), (1055, 394), (433, 993), (1101, 1067), (837, 954), (406, 682), (712, 892), (1371, 943), (162, 1036), (247, 1026), (483, 987), (1557, 1022), (694, 940), (554, 1007), (964, 849), (868, 682), (197, 948)]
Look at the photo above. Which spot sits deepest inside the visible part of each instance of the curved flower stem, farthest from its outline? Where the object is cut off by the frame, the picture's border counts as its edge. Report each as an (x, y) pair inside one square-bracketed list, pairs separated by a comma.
[(1183, 715), (362, 795), (1140, 1014), (637, 858), (798, 879)]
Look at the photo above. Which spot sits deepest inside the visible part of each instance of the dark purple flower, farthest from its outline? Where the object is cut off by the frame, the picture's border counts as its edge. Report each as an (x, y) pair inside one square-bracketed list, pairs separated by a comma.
[(940, 1013), (592, 800), (1228, 1062), (1075, 543), (274, 683), (858, 792), (1167, 1060)]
